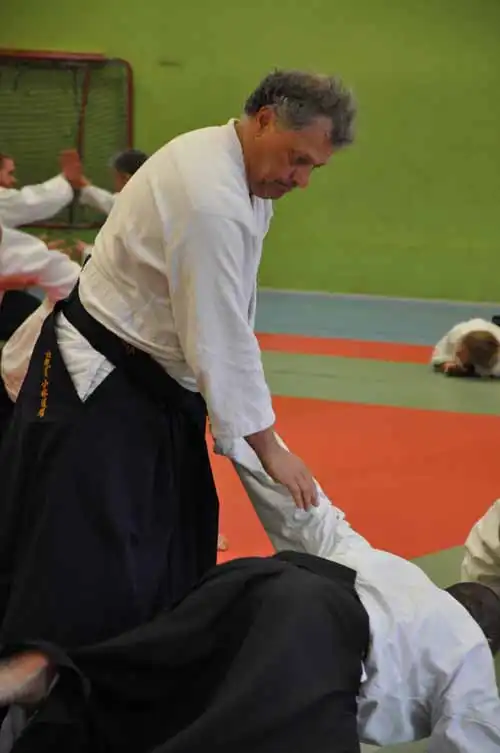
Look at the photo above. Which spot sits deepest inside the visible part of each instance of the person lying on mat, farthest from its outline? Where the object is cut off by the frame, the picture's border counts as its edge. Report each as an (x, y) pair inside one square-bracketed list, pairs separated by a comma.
[(471, 348), (330, 642), (39, 202), (481, 562)]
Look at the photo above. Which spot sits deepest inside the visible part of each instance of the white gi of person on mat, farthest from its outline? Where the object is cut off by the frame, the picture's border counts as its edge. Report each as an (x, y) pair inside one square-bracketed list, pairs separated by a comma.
[(428, 671)]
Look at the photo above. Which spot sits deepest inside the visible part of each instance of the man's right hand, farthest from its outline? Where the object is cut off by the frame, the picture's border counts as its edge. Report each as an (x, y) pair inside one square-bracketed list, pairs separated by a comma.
[(289, 470), (284, 468)]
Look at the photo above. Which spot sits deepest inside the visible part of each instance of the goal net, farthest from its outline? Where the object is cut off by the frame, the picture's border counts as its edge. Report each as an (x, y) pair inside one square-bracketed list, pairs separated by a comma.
[(54, 101)]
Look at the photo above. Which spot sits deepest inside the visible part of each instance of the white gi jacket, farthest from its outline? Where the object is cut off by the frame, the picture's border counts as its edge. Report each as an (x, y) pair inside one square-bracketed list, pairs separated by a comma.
[(97, 198), (57, 275), (173, 272)]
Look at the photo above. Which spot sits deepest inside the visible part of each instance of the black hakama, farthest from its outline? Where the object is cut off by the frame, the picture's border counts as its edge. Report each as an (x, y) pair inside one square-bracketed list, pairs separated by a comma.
[(6, 409), (264, 656), (16, 306), (108, 509)]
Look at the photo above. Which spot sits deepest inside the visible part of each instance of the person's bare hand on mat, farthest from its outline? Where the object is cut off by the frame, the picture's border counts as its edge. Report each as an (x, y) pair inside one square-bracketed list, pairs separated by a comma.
[(451, 368)]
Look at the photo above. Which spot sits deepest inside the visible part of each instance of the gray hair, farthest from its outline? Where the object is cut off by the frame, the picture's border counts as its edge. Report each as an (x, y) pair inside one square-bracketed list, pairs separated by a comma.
[(299, 98)]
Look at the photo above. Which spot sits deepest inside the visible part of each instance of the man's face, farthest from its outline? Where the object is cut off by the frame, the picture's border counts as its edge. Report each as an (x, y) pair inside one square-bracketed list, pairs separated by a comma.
[(281, 160), (120, 180), (7, 170)]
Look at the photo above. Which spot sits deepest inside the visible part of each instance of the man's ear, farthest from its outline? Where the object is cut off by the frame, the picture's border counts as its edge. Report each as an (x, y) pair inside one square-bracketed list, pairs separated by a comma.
[(265, 119)]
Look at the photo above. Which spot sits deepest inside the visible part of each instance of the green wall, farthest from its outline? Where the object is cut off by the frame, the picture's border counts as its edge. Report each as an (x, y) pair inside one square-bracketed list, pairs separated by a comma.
[(413, 209)]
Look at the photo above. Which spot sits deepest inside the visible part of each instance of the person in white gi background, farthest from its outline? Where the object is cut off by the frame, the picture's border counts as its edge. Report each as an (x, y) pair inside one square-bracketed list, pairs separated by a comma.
[(26, 260), (481, 562), (470, 348), (26, 206), (159, 330), (124, 165), (22, 254)]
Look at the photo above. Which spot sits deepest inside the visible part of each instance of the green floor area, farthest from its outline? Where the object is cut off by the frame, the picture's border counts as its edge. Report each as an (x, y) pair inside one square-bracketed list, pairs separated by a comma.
[(367, 381)]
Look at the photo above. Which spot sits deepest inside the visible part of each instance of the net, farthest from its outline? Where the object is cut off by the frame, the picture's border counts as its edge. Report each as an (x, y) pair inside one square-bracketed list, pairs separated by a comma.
[(49, 103)]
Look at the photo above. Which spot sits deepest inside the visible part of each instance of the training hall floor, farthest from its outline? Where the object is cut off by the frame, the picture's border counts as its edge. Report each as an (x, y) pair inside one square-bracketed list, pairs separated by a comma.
[(411, 456)]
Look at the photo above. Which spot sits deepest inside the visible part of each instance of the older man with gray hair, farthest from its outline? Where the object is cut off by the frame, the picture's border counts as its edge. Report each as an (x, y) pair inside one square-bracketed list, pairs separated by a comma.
[(109, 509)]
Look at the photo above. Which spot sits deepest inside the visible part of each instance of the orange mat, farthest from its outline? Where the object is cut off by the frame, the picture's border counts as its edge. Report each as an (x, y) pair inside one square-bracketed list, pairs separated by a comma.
[(329, 346), (411, 481)]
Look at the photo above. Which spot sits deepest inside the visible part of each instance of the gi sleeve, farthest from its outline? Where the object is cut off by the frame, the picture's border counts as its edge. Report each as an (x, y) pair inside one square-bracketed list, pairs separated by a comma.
[(34, 203), (21, 253), (207, 269), (97, 198)]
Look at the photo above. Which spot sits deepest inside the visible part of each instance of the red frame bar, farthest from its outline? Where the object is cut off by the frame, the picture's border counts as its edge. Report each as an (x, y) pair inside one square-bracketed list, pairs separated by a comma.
[(53, 55), (80, 57)]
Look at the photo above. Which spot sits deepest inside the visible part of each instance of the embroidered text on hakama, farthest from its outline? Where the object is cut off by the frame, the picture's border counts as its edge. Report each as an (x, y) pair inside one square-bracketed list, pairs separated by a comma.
[(44, 386)]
